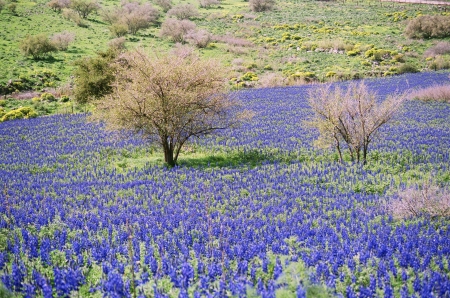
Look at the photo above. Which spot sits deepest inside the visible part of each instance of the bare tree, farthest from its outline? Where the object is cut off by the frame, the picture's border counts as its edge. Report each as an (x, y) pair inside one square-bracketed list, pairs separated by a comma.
[(352, 117), (168, 99)]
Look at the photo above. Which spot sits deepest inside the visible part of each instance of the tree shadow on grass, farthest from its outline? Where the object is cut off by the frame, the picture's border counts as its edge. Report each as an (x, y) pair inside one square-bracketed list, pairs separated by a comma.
[(234, 159)]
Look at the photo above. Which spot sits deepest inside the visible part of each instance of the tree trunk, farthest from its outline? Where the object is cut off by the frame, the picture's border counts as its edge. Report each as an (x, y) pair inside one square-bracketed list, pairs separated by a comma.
[(168, 153)]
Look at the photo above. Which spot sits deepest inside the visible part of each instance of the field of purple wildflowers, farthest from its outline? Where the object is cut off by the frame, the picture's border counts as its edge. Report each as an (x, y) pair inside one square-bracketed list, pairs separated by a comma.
[(295, 223)]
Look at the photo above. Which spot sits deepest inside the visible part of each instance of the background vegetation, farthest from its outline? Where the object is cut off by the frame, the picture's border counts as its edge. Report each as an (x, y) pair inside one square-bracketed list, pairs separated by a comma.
[(292, 42)]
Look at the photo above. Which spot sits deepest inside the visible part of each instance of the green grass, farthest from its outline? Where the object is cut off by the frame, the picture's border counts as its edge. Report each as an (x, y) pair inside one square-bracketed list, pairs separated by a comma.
[(306, 22)]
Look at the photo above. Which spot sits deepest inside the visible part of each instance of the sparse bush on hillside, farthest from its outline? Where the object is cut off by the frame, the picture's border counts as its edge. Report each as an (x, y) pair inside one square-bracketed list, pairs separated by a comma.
[(439, 62), (426, 199), (175, 29), (73, 16), (84, 7), (118, 29), (440, 48), (164, 4), (200, 38), (130, 17), (272, 79), (233, 40), (407, 68), (12, 8), (208, 3), (62, 40), (261, 5), (182, 50), (428, 26), (434, 93), (2, 5), (117, 44), (37, 46), (58, 5), (183, 11), (138, 16)]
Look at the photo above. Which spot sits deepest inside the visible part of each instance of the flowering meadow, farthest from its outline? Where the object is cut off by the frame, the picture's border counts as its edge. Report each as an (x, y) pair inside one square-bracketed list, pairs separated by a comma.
[(293, 222)]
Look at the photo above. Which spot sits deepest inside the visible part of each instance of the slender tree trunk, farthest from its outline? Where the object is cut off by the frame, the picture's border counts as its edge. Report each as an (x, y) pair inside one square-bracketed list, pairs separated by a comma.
[(338, 147)]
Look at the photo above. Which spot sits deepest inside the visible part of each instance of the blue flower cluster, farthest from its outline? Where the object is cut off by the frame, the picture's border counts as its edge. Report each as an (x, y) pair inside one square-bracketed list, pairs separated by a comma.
[(70, 222)]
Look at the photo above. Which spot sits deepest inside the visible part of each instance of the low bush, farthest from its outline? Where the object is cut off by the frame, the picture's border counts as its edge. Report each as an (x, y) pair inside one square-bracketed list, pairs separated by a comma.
[(176, 30), (37, 46), (58, 5), (261, 5), (183, 11), (440, 48), (164, 4), (426, 199), (47, 97), (407, 68), (71, 15), (434, 93), (439, 62), (2, 5), (208, 3), (428, 26), (199, 38), (62, 40), (20, 113)]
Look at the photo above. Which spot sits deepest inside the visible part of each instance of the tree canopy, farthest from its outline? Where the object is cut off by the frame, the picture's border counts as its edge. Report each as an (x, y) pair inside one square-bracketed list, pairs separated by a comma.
[(168, 99)]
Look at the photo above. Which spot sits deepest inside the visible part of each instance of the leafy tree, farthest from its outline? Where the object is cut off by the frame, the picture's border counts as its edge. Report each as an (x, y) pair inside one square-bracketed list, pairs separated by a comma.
[(168, 99), (84, 7), (93, 76), (37, 46), (351, 116)]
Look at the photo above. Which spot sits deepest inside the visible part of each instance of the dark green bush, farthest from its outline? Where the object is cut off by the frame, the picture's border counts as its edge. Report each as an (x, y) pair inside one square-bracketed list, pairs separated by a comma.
[(407, 68)]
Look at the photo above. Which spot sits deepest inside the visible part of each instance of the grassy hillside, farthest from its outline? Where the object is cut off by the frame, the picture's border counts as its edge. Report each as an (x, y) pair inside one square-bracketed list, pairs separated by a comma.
[(298, 41)]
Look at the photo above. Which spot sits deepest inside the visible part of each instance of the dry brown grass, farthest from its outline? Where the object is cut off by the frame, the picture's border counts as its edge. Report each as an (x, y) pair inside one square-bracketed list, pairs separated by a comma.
[(427, 199), (434, 93)]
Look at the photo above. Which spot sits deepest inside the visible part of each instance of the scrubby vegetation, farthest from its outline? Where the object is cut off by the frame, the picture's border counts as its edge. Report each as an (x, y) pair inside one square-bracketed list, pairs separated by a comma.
[(297, 42)]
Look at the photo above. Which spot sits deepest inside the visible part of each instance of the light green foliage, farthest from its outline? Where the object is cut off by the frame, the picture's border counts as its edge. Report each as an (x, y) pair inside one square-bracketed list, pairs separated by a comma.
[(20, 113), (47, 97), (37, 46)]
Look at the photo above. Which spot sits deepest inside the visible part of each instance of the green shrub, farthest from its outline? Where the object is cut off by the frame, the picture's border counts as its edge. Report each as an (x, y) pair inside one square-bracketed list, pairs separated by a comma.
[(118, 29), (407, 68), (428, 26), (2, 4), (20, 113), (439, 63), (3, 103), (37, 46), (352, 53), (48, 97), (64, 98), (12, 8)]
